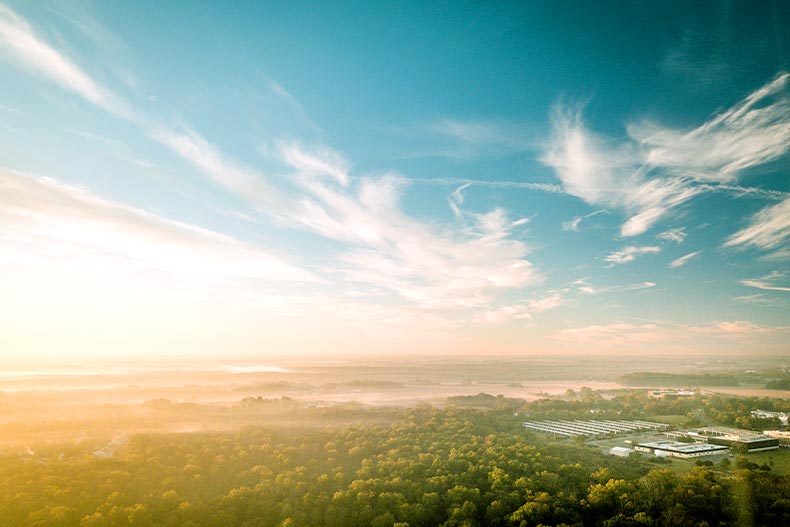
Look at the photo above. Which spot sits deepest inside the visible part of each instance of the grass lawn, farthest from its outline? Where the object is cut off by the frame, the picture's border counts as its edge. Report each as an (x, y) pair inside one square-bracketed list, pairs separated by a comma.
[(778, 460)]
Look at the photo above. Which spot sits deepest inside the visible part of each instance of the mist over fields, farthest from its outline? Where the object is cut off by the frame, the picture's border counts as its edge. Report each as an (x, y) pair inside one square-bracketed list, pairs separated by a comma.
[(121, 397)]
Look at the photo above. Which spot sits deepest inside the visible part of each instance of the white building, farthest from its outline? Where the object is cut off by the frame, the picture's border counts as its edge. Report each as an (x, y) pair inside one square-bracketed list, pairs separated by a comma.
[(682, 450), (765, 414), (620, 451), (660, 394)]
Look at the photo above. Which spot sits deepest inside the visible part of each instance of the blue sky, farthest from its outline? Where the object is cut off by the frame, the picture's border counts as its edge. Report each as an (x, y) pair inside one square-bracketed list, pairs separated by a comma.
[(269, 178)]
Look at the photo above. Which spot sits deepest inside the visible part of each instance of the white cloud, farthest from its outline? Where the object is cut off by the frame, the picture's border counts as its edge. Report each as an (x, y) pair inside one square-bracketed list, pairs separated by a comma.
[(735, 328), (48, 224), (29, 51), (613, 335), (588, 167), (630, 336), (239, 179), (770, 282), (769, 229), (318, 161), (683, 260), (601, 173), (456, 199), (521, 311), (525, 185), (429, 265), (585, 288), (629, 254), (673, 235), (657, 169), (296, 111), (759, 299), (462, 139), (573, 225), (505, 134), (34, 54), (752, 132)]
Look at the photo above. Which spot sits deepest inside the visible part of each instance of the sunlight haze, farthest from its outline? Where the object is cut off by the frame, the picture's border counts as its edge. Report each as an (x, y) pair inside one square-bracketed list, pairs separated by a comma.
[(199, 179)]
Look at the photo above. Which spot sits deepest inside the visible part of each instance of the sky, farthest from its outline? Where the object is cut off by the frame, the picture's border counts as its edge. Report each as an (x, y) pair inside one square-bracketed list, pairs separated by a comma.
[(261, 179)]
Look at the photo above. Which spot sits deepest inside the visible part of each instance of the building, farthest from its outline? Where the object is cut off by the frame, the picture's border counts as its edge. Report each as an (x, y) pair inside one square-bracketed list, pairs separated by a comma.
[(620, 451), (592, 428), (737, 438), (765, 414), (782, 436), (660, 394), (681, 450)]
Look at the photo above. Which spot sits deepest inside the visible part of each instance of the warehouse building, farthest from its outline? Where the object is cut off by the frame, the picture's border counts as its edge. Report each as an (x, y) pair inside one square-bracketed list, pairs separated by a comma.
[(682, 450), (660, 394), (738, 439), (765, 414), (620, 451), (592, 428), (782, 436)]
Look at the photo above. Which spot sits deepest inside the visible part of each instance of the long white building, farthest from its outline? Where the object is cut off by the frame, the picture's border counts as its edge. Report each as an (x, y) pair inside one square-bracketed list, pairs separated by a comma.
[(592, 428), (682, 450)]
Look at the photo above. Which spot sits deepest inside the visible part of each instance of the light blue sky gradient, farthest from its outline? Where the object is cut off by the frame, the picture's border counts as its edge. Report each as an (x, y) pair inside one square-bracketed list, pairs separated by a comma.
[(528, 177)]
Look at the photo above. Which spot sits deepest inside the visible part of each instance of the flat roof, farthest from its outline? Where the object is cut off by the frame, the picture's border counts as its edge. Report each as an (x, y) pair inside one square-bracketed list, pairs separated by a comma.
[(736, 434), (592, 427), (685, 448)]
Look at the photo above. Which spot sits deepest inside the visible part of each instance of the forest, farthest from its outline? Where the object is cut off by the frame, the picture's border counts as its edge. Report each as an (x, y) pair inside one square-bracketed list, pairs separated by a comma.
[(348, 465)]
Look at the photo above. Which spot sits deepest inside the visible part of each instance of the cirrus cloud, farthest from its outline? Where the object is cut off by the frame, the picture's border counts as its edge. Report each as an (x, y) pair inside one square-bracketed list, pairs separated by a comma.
[(658, 168), (629, 254)]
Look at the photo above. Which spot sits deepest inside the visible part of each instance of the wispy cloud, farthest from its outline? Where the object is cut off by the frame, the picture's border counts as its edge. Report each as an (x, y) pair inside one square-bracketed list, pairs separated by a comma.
[(589, 167), (430, 266), (316, 161), (496, 184), (735, 328), (521, 311), (387, 248), (613, 335), (574, 224), (774, 281), (653, 199), (673, 235), (758, 299), (239, 179), (462, 140), (629, 254), (629, 336), (584, 287), (753, 132), (683, 260), (658, 169), (31, 52), (602, 173), (495, 135), (294, 107), (45, 224), (769, 229)]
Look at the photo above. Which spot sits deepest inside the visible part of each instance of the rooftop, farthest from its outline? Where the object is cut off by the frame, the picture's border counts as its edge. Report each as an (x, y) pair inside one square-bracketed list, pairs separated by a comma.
[(686, 448)]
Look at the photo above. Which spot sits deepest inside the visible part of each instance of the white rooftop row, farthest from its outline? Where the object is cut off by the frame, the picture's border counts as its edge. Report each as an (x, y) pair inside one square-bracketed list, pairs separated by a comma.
[(592, 428)]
